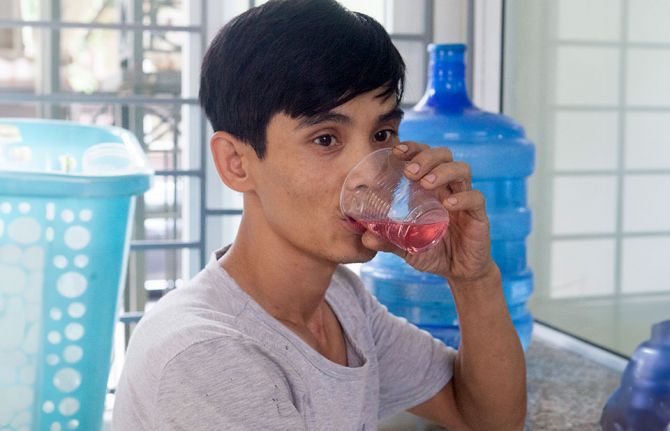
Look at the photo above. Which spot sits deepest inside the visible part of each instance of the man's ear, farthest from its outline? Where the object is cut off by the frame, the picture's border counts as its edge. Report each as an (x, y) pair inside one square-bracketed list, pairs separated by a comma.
[(231, 158)]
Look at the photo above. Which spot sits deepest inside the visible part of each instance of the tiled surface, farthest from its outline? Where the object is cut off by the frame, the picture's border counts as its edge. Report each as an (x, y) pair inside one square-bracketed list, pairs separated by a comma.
[(566, 391), (582, 267)]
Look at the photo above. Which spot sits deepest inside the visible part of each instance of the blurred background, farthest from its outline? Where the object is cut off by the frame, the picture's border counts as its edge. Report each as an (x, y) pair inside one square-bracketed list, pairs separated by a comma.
[(586, 78)]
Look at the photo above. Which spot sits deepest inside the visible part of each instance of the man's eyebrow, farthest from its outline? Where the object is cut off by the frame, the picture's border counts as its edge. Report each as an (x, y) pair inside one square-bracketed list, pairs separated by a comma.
[(334, 117), (395, 114), (324, 117)]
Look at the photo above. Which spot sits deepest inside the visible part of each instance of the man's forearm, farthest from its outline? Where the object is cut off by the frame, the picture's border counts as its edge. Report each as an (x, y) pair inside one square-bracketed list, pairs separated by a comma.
[(490, 372)]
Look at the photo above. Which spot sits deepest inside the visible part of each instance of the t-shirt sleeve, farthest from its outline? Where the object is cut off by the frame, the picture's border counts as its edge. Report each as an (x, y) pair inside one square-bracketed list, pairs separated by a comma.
[(224, 383), (413, 365)]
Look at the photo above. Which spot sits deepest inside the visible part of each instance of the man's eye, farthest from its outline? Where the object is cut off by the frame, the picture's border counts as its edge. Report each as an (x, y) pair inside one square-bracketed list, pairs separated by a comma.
[(385, 135), (325, 140)]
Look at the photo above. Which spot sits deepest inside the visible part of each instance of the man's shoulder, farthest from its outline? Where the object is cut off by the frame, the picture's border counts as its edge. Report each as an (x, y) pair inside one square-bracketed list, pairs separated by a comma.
[(204, 309), (180, 319), (183, 350)]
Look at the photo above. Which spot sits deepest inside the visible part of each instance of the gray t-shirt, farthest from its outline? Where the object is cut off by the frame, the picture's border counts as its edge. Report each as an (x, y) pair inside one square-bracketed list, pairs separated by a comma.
[(208, 357)]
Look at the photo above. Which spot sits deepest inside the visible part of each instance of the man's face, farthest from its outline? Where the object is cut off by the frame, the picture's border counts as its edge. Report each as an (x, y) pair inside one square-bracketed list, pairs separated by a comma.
[(299, 180)]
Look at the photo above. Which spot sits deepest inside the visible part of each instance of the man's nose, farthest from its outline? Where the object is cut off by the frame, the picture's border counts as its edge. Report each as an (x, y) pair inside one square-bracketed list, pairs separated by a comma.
[(360, 178)]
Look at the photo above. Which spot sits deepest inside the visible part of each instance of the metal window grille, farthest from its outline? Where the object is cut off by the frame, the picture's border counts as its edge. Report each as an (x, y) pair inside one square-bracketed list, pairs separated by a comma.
[(159, 105)]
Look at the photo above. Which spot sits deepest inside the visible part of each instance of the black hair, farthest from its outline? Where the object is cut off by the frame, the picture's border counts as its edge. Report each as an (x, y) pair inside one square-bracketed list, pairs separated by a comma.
[(299, 57)]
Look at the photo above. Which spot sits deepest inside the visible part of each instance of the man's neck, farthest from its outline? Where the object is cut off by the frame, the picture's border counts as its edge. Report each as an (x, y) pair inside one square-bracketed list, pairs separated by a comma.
[(288, 283)]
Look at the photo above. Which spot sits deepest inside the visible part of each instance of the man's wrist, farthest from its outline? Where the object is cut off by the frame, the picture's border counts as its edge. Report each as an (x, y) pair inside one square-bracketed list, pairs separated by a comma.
[(490, 276), (479, 296)]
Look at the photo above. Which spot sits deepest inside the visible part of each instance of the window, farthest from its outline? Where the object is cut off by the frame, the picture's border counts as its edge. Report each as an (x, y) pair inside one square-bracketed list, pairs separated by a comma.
[(130, 63), (588, 79)]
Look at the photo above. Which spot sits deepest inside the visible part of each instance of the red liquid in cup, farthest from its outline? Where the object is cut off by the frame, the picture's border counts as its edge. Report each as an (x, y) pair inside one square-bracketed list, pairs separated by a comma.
[(409, 236)]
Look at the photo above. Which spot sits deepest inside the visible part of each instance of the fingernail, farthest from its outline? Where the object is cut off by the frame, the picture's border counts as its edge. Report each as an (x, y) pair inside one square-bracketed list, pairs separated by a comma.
[(402, 147), (452, 200), (413, 168), (430, 178)]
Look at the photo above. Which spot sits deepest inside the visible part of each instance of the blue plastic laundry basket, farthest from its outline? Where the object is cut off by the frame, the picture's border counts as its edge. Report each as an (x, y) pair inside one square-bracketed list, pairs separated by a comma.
[(67, 195)]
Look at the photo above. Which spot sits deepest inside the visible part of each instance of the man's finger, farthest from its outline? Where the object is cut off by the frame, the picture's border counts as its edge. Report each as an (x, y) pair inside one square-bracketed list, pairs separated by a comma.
[(448, 174), (407, 149), (472, 201)]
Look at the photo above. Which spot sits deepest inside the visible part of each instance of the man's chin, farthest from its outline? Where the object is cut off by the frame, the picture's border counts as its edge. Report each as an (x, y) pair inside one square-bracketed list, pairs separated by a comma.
[(361, 256)]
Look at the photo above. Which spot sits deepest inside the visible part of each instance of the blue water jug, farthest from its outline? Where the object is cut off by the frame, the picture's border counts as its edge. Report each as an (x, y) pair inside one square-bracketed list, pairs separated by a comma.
[(642, 402), (501, 159)]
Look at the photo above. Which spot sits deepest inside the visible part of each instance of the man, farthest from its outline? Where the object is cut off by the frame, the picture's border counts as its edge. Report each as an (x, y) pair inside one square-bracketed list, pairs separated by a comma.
[(275, 334)]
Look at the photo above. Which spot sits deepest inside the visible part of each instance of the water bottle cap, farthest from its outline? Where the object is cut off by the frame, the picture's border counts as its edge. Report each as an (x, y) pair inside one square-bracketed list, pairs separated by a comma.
[(660, 333)]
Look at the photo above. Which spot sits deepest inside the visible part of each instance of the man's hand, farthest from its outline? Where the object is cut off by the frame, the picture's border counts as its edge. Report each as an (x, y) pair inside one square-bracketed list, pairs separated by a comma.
[(488, 389), (463, 254)]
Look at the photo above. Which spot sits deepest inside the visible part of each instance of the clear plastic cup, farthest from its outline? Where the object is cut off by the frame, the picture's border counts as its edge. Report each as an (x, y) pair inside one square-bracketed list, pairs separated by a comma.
[(377, 195)]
